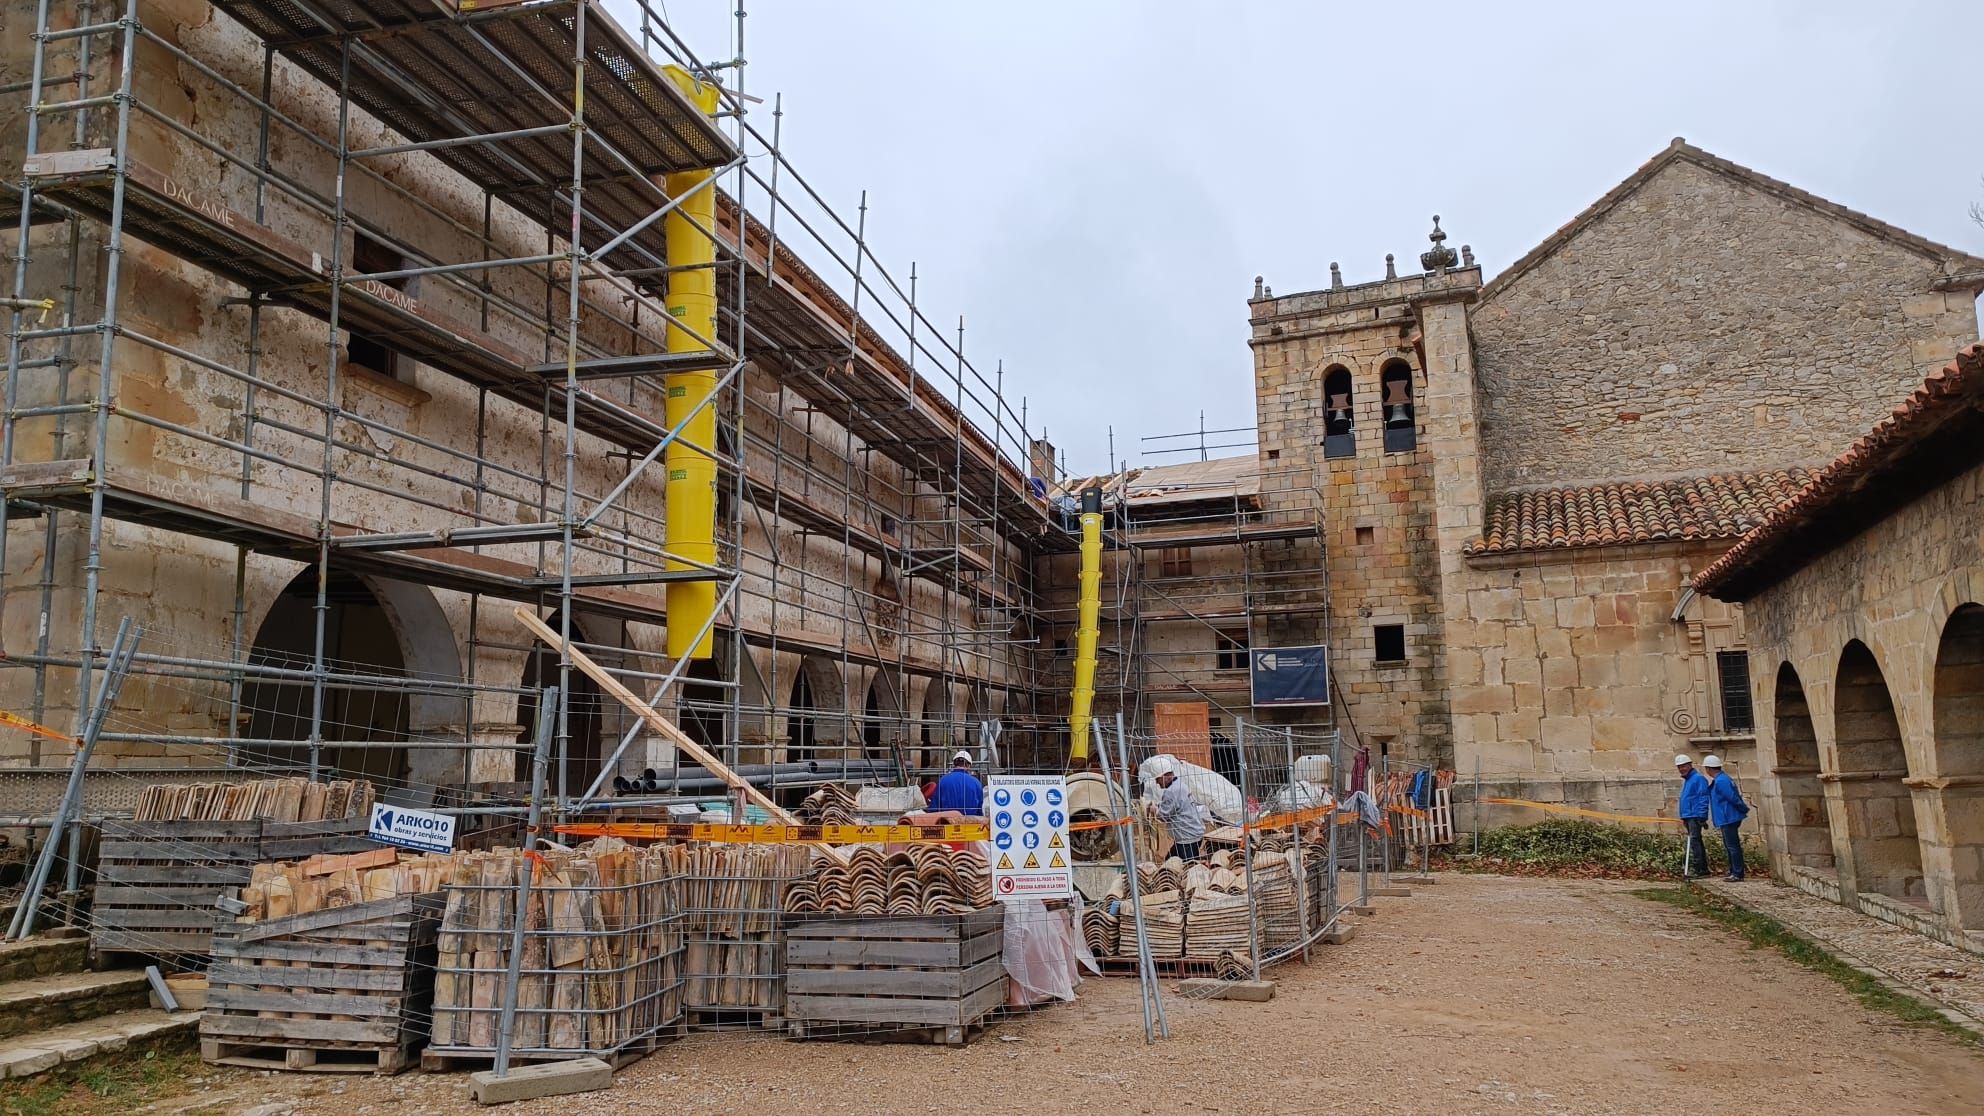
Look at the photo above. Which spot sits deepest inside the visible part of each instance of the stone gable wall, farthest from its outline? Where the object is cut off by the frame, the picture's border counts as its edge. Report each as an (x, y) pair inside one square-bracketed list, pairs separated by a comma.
[(1703, 326)]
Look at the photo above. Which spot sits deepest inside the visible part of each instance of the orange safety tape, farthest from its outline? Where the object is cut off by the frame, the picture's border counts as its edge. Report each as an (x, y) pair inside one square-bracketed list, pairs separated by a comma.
[(1077, 827), (1578, 811), (25, 725), (779, 834)]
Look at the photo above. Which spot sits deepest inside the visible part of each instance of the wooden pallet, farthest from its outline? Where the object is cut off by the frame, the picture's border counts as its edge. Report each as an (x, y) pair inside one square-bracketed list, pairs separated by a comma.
[(158, 881), (441, 1059), (322, 1058), (942, 974), (725, 1018), (344, 989), (1168, 968)]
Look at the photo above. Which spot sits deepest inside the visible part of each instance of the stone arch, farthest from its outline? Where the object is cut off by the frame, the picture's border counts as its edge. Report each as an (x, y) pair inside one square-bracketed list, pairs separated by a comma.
[(937, 728), (814, 702), (375, 626), (1794, 763), (1339, 412), (882, 721), (1879, 811), (1958, 751)]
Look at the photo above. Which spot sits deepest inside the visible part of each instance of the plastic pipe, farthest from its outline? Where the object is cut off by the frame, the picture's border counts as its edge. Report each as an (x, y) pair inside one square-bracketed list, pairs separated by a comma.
[(1088, 626), (689, 293)]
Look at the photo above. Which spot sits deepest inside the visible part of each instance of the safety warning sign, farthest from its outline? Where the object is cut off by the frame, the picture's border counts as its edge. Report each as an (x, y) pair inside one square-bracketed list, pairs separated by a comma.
[(1029, 817)]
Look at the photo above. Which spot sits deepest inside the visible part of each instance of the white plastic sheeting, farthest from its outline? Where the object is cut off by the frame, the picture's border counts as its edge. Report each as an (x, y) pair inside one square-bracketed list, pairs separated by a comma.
[(1043, 953), (1213, 792)]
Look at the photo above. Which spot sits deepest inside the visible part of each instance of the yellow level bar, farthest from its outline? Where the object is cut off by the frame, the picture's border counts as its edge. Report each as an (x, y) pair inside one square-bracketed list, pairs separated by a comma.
[(778, 834)]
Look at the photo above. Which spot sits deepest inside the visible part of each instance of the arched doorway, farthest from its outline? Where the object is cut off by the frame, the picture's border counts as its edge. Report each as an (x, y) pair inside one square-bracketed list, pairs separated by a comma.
[(1880, 814), (705, 707), (593, 722), (1807, 833), (1959, 723), (881, 718), (359, 639), (936, 730)]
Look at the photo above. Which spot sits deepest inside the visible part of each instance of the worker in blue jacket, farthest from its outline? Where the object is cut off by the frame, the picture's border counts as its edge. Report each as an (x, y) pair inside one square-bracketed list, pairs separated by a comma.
[(1727, 809), (1693, 812), (960, 790)]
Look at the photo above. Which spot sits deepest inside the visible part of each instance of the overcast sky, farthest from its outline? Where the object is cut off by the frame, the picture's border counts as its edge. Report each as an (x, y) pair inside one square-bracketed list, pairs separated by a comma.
[(1094, 185)]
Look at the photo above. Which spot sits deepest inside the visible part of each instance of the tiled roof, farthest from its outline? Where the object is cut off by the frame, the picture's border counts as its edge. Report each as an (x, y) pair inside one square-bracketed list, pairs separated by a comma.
[(1620, 514), (1935, 434)]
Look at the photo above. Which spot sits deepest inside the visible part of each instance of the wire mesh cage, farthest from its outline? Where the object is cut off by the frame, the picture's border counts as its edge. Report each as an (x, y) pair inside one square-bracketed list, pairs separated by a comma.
[(600, 971), (733, 897)]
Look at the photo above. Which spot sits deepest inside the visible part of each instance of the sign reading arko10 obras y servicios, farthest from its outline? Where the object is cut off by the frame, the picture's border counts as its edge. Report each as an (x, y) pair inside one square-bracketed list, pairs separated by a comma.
[(1029, 820)]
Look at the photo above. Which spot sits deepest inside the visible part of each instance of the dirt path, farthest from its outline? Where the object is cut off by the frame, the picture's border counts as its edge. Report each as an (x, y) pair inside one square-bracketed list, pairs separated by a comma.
[(1479, 994)]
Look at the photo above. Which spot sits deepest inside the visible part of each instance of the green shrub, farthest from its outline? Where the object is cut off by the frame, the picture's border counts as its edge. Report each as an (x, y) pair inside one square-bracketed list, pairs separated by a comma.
[(1586, 848)]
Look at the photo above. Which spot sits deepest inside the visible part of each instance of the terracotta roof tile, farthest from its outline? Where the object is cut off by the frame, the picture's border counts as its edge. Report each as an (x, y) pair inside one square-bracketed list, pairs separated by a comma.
[(1618, 514), (1925, 440)]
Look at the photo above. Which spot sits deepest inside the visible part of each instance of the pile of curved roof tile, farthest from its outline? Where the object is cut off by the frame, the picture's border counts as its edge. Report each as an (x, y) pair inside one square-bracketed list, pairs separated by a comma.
[(918, 880), (832, 804)]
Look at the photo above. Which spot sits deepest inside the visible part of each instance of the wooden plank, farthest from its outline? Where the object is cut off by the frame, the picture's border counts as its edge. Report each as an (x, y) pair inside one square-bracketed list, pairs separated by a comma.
[(222, 1000), (397, 907), (162, 895), (340, 980), (321, 1030), (227, 936), (319, 954), (183, 875), (131, 918), (799, 952), (153, 942), (953, 984), (250, 829), (176, 851)]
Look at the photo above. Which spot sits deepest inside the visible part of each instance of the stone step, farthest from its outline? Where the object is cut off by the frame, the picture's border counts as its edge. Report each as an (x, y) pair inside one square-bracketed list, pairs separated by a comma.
[(43, 957), (38, 1003), (27, 1055)]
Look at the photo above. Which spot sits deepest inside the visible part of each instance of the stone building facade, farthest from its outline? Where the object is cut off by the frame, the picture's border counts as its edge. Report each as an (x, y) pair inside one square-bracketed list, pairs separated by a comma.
[(1592, 428), (1863, 597)]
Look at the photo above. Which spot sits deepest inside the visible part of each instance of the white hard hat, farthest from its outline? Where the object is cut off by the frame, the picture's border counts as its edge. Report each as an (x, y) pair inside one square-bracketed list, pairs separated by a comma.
[(962, 755), (1682, 759), (1711, 761)]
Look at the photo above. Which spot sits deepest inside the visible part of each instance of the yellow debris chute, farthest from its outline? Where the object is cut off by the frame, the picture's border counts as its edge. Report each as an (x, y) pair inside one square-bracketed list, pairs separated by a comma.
[(1088, 625), (689, 293)]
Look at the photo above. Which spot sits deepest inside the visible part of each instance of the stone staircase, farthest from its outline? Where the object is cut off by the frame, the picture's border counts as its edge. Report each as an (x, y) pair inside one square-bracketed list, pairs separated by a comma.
[(53, 1011)]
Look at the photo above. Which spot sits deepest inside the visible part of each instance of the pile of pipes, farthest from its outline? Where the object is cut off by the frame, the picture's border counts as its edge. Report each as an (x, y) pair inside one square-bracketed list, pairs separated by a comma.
[(602, 948), (693, 779), (282, 800), (917, 880), (832, 804)]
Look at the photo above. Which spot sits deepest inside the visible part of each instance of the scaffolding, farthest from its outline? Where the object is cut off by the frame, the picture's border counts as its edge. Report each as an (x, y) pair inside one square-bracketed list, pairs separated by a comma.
[(464, 204), (1206, 560)]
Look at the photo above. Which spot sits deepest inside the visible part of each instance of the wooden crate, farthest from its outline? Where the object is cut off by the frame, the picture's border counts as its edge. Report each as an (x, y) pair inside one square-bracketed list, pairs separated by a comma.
[(157, 881), (940, 973), (346, 989)]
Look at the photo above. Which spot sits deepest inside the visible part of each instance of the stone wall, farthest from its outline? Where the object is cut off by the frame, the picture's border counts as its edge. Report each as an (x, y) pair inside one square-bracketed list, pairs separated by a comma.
[(1703, 325), (1894, 590)]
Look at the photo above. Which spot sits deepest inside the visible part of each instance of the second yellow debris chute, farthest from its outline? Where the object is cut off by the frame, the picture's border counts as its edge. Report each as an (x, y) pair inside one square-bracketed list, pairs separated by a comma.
[(1088, 625)]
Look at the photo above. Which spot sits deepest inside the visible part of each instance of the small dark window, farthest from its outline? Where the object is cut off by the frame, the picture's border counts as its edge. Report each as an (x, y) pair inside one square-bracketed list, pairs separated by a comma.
[(1232, 650), (1401, 430), (1060, 648), (1732, 670), (1339, 416), (367, 257), (1174, 561), (1366, 536), (1388, 643)]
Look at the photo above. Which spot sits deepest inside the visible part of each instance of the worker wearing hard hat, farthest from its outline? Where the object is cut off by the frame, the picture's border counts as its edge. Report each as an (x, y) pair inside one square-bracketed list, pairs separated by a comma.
[(1179, 812), (959, 789), (1693, 812), (1727, 809)]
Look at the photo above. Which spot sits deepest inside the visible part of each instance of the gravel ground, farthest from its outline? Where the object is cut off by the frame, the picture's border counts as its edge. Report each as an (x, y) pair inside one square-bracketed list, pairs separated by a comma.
[(1480, 994), (1934, 970)]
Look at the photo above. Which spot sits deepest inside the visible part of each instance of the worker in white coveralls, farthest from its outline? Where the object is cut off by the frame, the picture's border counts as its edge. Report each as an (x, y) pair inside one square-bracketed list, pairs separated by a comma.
[(1179, 812)]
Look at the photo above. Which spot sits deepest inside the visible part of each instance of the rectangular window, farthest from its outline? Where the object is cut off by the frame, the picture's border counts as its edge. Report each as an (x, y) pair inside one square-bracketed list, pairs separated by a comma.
[(1388, 643), (1174, 561), (1732, 670), (1232, 653), (369, 256), (1366, 536)]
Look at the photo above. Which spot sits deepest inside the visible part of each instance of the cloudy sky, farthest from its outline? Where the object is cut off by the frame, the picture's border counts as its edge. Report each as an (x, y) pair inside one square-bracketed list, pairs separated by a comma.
[(1094, 185)]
